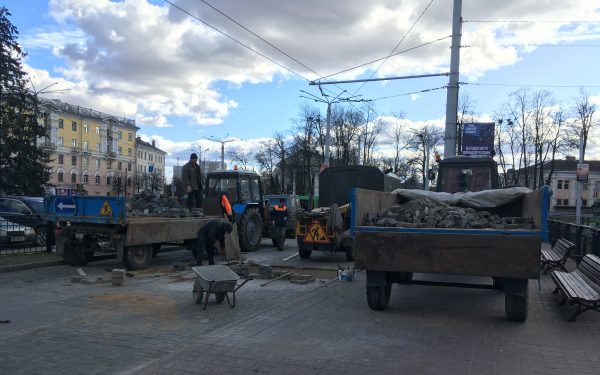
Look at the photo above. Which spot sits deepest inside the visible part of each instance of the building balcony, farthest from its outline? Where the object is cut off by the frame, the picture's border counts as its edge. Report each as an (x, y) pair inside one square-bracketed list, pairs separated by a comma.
[(48, 145), (75, 150)]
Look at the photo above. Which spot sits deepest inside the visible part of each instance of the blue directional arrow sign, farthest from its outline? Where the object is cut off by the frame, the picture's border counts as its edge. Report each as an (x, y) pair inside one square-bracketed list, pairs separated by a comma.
[(65, 206)]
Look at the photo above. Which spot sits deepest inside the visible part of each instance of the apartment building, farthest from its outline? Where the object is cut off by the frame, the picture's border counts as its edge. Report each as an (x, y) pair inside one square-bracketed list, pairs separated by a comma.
[(563, 183), (90, 151), (150, 166)]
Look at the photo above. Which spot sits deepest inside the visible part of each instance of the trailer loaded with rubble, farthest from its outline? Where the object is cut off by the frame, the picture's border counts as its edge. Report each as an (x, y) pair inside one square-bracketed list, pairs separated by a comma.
[(134, 229), (495, 234)]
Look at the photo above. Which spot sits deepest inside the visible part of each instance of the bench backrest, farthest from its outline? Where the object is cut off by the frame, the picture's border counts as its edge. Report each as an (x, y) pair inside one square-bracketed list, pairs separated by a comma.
[(590, 268), (563, 247)]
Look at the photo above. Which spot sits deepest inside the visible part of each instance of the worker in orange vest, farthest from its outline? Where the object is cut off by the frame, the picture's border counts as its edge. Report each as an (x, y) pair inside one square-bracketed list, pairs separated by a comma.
[(227, 208), (279, 215)]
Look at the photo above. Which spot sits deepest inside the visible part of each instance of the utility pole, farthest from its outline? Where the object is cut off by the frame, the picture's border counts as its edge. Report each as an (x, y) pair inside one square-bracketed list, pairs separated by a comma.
[(222, 141), (579, 187), (329, 102), (452, 93)]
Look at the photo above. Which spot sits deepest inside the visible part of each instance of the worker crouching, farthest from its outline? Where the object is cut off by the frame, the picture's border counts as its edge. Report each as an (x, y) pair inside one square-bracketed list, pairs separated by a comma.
[(212, 232)]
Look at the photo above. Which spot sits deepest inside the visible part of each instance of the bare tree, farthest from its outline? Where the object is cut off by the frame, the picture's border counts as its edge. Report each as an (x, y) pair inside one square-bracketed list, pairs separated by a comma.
[(369, 135), (267, 160), (240, 156), (584, 111), (424, 141)]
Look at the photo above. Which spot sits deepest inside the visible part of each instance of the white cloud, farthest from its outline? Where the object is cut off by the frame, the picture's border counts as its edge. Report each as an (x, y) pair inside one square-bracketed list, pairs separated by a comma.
[(152, 62)]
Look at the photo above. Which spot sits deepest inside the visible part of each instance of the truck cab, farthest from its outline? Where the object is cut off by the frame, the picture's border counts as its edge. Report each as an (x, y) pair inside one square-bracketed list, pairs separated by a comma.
[(244, 190), (460, 174)]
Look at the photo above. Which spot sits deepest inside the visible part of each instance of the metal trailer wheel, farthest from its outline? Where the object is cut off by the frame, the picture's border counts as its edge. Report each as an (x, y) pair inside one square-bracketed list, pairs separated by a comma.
[(515, 306), (198, 292), (378, 297), (137, 257)]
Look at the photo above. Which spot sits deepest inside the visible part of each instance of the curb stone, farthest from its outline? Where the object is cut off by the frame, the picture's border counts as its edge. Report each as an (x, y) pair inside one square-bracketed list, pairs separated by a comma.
[(29, 266)]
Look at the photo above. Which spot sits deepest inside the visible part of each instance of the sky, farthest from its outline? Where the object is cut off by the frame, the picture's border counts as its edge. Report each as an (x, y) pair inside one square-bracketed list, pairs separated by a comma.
[(188, 70)]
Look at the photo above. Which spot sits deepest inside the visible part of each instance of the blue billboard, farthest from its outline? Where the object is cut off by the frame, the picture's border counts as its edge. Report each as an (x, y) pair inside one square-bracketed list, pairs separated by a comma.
[(478, 138)]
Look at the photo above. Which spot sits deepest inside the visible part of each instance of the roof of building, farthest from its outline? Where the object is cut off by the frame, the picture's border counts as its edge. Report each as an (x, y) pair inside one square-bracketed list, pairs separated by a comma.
[(138, 141), (60, 106), (569, 165)]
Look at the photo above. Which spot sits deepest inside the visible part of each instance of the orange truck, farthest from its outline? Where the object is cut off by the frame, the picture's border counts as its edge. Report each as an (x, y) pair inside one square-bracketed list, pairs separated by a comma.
[(326, 228)]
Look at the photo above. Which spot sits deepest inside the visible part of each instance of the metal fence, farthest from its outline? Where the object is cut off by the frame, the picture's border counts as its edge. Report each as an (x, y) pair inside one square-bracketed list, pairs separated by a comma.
[(586, 238), (19, 239)]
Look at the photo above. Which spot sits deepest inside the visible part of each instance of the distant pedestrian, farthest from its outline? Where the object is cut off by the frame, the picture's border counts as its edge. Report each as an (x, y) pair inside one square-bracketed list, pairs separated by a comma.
[(279, 215), (213, 231), (191, 176)]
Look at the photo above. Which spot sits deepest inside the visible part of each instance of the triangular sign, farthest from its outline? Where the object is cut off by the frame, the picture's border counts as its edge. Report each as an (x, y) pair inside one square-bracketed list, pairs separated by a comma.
[(106, 210)]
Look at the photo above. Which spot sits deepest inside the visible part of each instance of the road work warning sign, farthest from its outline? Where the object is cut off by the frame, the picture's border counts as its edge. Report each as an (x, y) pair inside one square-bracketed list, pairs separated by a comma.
[(105, 210), (316, 234)]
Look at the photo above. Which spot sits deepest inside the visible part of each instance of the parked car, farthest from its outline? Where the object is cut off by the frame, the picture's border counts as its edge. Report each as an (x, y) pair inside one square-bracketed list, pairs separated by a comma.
[(13, 233), (292, 203), (26, 211)]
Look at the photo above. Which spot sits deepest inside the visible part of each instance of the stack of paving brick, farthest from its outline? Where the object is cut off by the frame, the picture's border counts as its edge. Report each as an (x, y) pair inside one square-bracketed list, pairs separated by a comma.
[(428, 213), (148, 205)]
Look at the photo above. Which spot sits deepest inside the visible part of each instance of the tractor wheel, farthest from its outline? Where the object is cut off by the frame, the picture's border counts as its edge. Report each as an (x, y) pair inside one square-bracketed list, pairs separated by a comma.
[(250, 230)]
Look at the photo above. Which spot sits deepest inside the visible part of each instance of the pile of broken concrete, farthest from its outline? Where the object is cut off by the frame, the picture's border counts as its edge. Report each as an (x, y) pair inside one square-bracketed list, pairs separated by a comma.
[(150, 205), (424, 212)]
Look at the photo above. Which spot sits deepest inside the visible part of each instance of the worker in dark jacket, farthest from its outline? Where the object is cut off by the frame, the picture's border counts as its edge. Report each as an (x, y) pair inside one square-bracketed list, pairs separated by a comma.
[(279, 217), (191, 176), (213, 231)]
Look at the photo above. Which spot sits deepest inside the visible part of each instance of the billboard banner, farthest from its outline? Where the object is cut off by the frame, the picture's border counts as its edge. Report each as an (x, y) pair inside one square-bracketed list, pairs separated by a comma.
[(478, 138), (583, 171)]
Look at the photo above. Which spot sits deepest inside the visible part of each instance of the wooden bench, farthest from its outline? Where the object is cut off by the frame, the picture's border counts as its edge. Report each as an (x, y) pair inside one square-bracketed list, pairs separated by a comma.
[(557, 256), (580, 287)]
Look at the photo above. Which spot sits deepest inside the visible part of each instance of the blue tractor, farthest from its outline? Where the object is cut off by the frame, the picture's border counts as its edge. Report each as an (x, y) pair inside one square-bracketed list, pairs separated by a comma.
[(244, 191)]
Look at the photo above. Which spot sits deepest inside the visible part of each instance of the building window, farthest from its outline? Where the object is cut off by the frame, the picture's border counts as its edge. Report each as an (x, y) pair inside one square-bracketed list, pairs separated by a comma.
[(129, 167), (73, 178), (109, 164), (583, 202), (129, 182), (74, 126), (563, 184), (60, 176), (74, 143), (120, 135), (61, 123), (86, 162), (97, 163), (85, 145), (73, 160), (120, 150), (98, 147), (86, 128), (139, 154), (145, 156), (97, 130), (129, 137), (61, 159), (562, 202), (61, 141), (119, 166), (97, 180), (108, 180), (86, 179), (128, 152)]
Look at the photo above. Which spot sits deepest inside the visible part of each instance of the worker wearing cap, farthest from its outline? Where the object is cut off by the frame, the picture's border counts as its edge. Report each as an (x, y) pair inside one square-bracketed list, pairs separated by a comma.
[(191, 176), (279, 215)]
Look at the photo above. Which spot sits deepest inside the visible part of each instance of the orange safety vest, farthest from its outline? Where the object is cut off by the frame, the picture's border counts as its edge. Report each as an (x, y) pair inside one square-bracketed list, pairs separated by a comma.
[(225, 204), (280, 208)]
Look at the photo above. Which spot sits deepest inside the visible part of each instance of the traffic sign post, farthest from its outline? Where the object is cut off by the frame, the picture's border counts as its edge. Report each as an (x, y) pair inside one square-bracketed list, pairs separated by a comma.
[(65, 206)]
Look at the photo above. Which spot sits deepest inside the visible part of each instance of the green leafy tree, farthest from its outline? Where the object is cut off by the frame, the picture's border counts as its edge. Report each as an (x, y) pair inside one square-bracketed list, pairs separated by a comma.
[(23, 166)]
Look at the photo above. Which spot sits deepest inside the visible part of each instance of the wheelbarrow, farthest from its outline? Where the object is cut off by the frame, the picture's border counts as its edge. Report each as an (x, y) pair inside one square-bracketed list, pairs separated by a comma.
[(218, 280)]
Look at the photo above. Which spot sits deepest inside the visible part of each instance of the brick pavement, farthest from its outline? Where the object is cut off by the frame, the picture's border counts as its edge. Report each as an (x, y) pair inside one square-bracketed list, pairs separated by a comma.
[(151, 326)]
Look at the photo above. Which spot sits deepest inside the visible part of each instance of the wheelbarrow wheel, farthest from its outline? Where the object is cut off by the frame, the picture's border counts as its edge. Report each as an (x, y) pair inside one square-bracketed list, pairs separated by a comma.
[(220, 297), (198, 292)]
